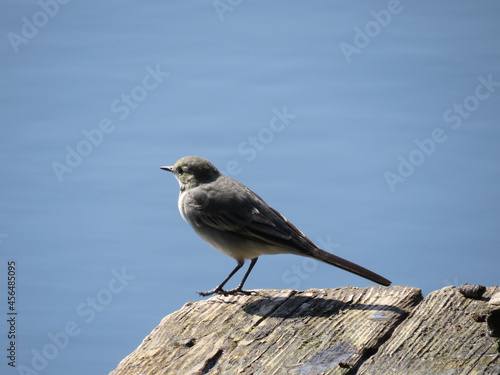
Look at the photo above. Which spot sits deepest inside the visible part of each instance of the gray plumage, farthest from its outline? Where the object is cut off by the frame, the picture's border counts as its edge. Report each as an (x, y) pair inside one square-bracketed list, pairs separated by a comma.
[(237, 222)]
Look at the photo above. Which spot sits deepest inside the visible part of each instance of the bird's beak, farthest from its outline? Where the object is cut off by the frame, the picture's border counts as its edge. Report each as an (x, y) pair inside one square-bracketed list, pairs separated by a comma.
[(167, 168)]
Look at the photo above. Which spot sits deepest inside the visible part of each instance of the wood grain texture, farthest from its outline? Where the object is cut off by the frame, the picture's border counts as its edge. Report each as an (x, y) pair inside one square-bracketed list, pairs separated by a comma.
[(375, 330), (446, 334)]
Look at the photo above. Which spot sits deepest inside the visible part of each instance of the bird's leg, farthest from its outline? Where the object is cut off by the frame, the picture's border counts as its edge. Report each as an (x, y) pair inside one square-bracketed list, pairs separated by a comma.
[(218, 289), (239, 289)]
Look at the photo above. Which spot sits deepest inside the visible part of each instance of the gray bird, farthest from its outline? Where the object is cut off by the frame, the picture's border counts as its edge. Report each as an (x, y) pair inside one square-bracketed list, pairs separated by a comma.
[(237, 222)]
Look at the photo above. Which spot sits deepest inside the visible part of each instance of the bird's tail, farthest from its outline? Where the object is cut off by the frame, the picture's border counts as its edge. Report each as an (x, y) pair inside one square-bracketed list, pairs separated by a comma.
[(348, 266)]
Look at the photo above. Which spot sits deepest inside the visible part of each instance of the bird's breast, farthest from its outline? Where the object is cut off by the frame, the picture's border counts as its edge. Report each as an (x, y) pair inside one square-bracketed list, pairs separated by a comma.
[(180, 204)]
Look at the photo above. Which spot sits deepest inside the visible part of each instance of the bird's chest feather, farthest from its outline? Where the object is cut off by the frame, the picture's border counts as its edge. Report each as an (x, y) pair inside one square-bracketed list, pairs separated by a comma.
[(180, 205)]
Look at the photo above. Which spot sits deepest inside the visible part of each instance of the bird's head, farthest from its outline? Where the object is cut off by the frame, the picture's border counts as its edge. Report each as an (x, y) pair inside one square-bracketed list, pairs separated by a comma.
[(192, 171)]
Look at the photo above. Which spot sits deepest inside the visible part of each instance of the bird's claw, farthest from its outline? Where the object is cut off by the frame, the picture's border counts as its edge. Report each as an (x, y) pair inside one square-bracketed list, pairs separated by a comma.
[(223, 292)]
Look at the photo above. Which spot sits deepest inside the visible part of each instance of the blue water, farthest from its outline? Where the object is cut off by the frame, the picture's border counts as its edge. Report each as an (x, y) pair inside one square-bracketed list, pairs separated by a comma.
[(388, 154)]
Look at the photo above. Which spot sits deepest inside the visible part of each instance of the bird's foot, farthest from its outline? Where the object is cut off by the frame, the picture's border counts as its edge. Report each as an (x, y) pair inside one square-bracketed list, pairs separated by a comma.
[(238, 291), (210, 292), (223, 292)]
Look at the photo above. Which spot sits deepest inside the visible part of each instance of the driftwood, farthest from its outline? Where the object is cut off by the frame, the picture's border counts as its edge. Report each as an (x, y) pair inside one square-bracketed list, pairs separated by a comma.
[(369, 331)]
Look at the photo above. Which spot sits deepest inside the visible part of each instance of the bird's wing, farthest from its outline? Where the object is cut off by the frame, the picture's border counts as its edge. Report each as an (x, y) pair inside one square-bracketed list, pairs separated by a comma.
[(269, 222), (247, 215)]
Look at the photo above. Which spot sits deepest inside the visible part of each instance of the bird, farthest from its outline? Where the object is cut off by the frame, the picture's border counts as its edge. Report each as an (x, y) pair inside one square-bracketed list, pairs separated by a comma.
[(237, 222)]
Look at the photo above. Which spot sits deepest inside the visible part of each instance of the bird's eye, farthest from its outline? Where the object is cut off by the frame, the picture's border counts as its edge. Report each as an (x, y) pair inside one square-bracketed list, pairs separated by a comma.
[(180, 170)]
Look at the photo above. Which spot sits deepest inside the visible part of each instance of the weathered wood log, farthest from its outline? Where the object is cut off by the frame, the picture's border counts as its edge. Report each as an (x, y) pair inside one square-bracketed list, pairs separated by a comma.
[(375, 330), (445, 334)]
